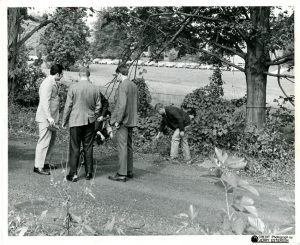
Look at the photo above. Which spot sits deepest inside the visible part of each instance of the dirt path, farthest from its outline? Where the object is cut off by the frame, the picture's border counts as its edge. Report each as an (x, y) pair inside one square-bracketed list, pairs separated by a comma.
[(146, 204)]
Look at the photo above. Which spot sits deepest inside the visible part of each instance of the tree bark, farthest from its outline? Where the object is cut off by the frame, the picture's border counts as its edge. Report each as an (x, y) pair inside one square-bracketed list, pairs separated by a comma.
[(256, 61), (13, 28)]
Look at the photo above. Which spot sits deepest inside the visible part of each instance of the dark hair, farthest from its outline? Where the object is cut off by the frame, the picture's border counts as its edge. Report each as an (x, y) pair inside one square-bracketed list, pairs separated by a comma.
[(158, 106), (57, 68), (123, 69)]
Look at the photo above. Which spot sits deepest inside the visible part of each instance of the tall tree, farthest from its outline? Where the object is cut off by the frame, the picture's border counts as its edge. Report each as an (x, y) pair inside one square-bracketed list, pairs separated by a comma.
[(253, 33), (16, 41), (67, 42)]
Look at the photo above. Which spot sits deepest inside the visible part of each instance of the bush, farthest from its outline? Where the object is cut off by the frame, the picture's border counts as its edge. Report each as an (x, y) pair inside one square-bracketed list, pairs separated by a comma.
[(214, 123), (144, 106), (27, 79)]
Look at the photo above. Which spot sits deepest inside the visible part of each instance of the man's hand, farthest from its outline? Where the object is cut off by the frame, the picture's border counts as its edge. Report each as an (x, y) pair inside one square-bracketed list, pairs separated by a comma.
[(100, 119), (51, 121), (117, 125), (181, 133)]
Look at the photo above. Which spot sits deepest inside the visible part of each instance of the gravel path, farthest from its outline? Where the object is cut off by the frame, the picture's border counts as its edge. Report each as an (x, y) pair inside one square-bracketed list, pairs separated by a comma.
[(146, 205)]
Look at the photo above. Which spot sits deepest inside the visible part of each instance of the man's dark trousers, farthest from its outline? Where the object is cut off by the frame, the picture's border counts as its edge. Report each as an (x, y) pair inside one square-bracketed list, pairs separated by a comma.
[(81, 134), (125, 152)]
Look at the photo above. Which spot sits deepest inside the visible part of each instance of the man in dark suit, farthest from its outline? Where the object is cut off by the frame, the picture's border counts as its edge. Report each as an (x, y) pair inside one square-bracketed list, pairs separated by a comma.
[(179, 121), (81, 109), (124, 118)]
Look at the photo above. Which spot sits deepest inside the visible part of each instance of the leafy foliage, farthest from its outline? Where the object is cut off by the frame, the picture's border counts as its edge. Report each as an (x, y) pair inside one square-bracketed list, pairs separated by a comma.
[(213, 121), (67, 41), (144, 97), (28, 79)]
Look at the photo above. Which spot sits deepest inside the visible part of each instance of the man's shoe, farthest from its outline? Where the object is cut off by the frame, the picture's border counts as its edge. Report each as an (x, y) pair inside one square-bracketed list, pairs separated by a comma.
[(129, 175), (89, 176), (72, 178), (40, 171), (50, 166), (118, 177)]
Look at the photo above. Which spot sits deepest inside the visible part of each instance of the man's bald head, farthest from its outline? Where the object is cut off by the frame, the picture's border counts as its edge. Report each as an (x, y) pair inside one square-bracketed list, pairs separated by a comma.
[(84, 72)]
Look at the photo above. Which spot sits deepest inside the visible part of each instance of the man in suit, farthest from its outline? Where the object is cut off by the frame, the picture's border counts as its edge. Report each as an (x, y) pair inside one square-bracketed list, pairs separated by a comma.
[(47, 115), (178, 120), (124, 118), (81, 109)]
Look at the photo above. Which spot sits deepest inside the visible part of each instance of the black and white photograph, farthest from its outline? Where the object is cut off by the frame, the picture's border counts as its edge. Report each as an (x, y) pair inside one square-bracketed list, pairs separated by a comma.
[(130, 120)]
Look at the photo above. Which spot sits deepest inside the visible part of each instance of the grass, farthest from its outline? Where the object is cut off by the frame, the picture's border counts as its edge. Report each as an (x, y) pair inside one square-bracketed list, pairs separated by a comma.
[(170, 85)]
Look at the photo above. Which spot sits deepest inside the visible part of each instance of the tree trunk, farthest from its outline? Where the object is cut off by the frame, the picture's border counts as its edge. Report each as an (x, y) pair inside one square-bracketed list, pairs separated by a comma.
[(13, 28), (255, 66)]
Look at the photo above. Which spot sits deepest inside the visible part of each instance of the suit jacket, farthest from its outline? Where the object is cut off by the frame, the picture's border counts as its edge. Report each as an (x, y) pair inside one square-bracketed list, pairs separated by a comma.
[(82, 104), (104, 103), (49, 101), (126, 102), (174, 118)]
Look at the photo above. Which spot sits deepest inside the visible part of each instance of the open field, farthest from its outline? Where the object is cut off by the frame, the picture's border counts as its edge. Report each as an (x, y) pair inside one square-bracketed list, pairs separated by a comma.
[(170, 85)]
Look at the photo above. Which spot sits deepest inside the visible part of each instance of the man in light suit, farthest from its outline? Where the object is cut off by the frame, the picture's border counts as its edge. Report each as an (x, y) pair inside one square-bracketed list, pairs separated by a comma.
[(124, 118), (81, 110), (47, 115)]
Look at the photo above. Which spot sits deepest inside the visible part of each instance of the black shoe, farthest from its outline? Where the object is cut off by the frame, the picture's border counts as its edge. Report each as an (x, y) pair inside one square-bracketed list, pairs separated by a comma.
[(118, 177), (50, 166), (40, 171), (89, 176), (129, 175), (72, 178)]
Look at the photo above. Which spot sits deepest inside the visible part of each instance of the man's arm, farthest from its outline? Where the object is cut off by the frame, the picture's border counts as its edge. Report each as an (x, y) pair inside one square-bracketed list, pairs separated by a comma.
[(68, 107), (104, 104), (120, 107), (45, 97)]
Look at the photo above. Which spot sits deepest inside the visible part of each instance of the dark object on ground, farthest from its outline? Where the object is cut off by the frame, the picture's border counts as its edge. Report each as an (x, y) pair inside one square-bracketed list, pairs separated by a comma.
[(40, 171), (50, 166), (118, 177), (71, 178)]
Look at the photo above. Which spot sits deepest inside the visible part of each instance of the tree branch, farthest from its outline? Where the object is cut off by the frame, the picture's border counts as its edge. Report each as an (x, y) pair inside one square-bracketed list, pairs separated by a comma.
[(185, 23), (243, 35), (279, 83), (37, 28), (281, 60), (279, 75), (242, 55)]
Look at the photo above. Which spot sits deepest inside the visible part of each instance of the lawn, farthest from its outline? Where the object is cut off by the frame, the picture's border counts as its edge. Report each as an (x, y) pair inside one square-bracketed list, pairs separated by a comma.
[(170, 85)]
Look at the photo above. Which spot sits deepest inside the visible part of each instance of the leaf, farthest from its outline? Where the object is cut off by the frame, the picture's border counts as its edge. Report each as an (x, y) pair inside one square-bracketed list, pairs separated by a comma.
[(23, 231), (243, 201), (238, 226), (110, 225), (236, 162), (245, 185), (207, 164), (238, 207), (230, 178), (193, 214), (222, 157), (257, 223), (251, 210)]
